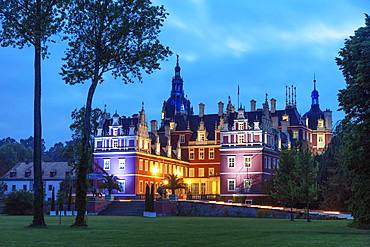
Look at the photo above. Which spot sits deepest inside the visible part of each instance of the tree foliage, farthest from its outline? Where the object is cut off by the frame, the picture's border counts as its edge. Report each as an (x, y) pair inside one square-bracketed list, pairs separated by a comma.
[(354, 100), (18, 203), (116, 37), (174, 183)]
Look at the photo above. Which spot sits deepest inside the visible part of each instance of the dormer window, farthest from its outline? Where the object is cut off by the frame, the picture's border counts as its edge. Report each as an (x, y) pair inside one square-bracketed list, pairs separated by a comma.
[(182, 138), (53, 173), (13, 173), (172, 125), (115, 143), (27, 173), (241, 126), (320, 123), (115, 132), (285, 117)]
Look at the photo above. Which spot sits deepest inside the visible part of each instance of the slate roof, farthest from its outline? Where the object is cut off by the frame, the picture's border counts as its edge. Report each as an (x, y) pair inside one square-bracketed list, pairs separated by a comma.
[(313, 115), (22, 171)]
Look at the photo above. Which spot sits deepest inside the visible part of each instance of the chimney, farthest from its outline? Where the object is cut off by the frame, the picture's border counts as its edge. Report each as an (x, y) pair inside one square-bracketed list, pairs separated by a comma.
[(328, 119), (253, 105), (153, 126), (220, 108), (157, 146), (273, 105), (201, 110)]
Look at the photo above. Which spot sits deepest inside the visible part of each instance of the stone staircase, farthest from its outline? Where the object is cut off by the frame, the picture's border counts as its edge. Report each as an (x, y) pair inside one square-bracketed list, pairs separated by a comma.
[(129, 208)]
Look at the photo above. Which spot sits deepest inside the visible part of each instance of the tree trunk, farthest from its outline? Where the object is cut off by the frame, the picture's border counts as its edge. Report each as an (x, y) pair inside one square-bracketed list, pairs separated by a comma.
[(291, 213), (308, 212), (81, 186), (38, 202)]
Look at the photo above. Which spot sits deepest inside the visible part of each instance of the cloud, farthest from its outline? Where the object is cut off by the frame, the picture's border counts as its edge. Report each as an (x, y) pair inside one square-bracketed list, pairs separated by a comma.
[(237, 46)]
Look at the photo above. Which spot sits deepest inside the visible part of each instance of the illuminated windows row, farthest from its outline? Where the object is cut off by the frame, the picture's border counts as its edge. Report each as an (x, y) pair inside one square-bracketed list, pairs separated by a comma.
[(247, 161), (201, 172), (231, 184), (121, 164), (201, 153), (159, 167)]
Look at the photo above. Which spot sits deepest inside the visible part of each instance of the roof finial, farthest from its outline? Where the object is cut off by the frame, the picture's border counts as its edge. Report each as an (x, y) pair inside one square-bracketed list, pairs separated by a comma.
[(295, 96), (177, 59), (105, 107), (289, 96), (266, 97), (286, 95), (142, 105), (314, 81)]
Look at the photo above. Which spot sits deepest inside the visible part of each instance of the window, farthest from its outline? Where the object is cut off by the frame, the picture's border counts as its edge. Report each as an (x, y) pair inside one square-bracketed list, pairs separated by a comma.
[(141, 164), (141, 189), (182, 138), (50, 187), (146, 165), (247, 161), (25, 187), (122, 185), (247, 183), (201, 153), (211, 153), (265, 165), (211, 172), (231, 184), (121, 164), (165, 169), (320, 123), (231, 161), (160, 167), (115, 143), (295, 134), (191, 172), (115, 132), (320, 141), (191, 154), (151, 165), (106, 164), (285, 118), (170, 169), (241, 126), (201, 172), (241, 138), (202, 137)]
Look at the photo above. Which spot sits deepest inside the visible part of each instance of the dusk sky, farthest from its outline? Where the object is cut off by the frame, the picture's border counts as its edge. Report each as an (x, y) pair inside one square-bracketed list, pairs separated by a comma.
[(260, 45)]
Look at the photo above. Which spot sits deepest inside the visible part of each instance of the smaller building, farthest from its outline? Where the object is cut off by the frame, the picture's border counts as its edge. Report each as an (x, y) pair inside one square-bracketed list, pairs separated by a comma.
[(20, 177)]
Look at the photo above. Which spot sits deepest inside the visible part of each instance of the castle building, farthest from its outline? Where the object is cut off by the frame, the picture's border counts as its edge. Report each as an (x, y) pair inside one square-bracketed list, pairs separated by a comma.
[(231, 153)]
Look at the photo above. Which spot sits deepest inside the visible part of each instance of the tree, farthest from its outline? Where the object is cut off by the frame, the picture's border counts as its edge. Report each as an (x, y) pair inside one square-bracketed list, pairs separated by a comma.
[(109, 182), (52, 207), (119, 37), (285, 182), (174, 183), (55, 153), (147, 198), (19, 203), (69, 206), (354, 100), (307, 179), (32, 23), (2, 189)]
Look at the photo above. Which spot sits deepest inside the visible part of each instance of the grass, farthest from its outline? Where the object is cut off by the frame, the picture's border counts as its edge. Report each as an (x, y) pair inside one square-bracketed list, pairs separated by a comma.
[(180, 231)]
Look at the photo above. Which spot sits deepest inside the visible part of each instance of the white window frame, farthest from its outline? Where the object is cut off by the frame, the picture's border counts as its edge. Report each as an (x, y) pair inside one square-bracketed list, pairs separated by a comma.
[(191, 172), (201, 172), (211, 154), (241, 138), (141, 164), (211, 172), (121, 163), (248, 162), (115, 143), (115, 131), (228, 184), (249, 180), (201, 153), (240, 126), (191, 153), (146, 167), (229, 158), (106, 164), (120, 182), (182, 138)]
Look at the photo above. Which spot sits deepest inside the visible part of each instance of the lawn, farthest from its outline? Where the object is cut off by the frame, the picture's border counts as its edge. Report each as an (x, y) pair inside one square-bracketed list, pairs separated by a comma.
[(181, 231)]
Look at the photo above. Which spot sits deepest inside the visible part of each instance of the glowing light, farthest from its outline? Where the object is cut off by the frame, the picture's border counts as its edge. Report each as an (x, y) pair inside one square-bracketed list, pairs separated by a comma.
[(165, 182), (155, 170)]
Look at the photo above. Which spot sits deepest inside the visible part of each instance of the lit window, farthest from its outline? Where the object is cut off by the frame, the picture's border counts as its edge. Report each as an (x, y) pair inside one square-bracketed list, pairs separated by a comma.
[(141, 189), (211, 172), (165, 169), (201, 172), (247, 183), (320, 141), (211, 153), (231, 161), (146, 165), (247, 161), (121, 164), (201, 153), (140, 164), (115, 143), (202, 137), (285, 118), (231, 184), (191, 154), (241, 138), (115, 132), (151, 165), (106, 164), (320, 123), (170, 169), (191, 172), (182, 138), (241, 126), (295, 134)]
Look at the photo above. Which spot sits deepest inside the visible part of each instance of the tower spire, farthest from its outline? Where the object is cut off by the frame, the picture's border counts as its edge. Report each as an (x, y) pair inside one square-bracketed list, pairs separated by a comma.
[(286, 96), (289, 96), (295, 96), (314, 81)]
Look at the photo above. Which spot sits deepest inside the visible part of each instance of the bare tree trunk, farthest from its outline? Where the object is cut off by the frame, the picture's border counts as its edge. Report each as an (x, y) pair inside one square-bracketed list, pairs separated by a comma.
[(38, 202), (291, 213), (81, 187)]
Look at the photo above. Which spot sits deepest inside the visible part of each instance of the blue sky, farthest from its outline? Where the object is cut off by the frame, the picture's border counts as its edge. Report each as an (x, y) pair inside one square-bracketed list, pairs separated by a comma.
[(260, 45)]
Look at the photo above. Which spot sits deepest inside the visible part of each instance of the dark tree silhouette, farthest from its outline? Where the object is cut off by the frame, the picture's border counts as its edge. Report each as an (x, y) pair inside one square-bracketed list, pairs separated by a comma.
[(31, 24), (119, 37)]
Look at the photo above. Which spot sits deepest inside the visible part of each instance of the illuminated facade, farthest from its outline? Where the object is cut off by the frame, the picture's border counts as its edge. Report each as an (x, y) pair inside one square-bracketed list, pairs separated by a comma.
[(228, 153)]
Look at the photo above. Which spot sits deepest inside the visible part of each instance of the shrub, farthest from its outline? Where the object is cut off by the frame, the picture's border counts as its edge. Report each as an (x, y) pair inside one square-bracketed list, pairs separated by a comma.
[(19, 203)]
